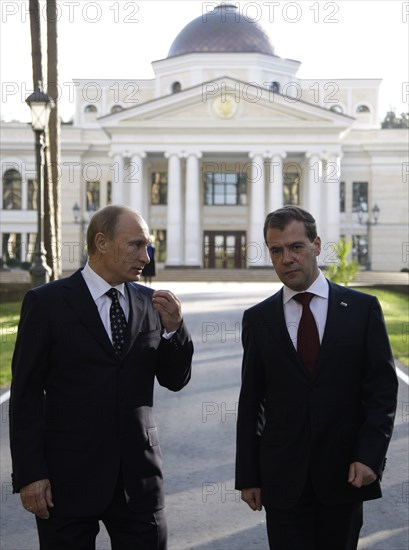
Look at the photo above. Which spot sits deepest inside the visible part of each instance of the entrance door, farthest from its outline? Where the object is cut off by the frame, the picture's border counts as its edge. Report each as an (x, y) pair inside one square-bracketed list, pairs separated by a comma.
[(224, 250)]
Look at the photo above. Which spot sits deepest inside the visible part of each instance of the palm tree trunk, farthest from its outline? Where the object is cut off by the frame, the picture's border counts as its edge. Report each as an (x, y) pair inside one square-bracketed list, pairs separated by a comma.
[(54, 138)]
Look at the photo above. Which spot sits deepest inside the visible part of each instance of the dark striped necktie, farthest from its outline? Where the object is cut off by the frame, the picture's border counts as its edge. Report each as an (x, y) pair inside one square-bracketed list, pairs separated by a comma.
[(118, 321)]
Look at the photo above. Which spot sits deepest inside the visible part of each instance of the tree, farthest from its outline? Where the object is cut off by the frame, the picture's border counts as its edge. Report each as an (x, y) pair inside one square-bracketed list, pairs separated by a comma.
[(344, 271), (50, 240), (392, 121), (54, 139)]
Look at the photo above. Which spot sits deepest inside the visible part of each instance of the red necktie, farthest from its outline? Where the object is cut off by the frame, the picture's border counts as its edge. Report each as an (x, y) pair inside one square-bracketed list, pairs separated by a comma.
[(308, 340)]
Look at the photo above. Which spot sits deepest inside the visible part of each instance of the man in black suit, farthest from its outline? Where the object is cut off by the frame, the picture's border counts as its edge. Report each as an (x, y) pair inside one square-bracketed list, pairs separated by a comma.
[(84, 442), (312, 432)]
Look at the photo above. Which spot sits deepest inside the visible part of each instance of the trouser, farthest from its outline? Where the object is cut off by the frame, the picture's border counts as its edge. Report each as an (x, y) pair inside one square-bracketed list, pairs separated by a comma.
[(311, 525), (127, 529)]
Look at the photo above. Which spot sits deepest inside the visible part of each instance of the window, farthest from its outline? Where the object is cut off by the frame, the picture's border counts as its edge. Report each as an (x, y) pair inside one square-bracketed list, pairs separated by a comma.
[(176, 87), (159, 240), (159, 189), (363, 109), (31, 195), (90, 109), (360, 196), (275, 87), (109, 192), (360, 248), (225, 188), (342, 196), (92, 195), (337, 109), (12, 190), (116, 109), (12, 244), (291, 188)]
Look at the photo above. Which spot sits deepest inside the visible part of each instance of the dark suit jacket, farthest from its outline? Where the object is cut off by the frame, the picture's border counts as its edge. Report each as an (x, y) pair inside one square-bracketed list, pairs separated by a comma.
[(78, 412), (289, 423)]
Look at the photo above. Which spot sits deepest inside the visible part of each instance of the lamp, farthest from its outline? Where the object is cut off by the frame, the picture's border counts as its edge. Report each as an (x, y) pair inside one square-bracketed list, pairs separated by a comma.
[(40, 106)]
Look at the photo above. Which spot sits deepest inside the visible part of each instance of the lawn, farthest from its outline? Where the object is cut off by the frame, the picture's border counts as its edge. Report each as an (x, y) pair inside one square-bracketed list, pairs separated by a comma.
[(395, 307), (396, 311), (9, 316)]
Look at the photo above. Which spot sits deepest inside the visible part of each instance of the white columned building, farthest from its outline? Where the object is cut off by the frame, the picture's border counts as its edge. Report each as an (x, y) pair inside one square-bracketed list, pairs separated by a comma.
[(174, 211), (193, 241), (255, 248), (223, 133), (136, 182)]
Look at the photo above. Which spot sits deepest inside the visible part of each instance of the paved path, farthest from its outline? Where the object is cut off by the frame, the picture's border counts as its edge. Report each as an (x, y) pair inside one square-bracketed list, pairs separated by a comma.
[(197, 431)]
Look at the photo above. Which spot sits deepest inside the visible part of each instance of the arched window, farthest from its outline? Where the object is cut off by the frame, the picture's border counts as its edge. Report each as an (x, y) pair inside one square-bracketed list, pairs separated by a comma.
[(12, 190), (275, 87), (363, 109), (337, 109), (90, 109), (176, 87), (116, 109)]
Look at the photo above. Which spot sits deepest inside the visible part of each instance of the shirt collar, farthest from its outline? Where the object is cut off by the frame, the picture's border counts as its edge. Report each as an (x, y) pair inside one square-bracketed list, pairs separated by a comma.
[(97, 285), (319, 287)]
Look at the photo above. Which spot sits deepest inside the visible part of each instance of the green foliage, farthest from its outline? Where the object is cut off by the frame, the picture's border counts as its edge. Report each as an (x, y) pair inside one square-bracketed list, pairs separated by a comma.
[(392, 121), (395, 307), (9, 317), (345, 270)]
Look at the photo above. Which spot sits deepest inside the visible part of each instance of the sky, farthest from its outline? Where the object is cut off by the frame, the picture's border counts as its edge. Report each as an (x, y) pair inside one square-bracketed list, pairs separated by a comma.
[(120, 39)]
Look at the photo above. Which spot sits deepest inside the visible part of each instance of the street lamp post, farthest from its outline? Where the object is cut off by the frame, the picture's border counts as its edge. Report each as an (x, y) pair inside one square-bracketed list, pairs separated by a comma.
[(369, 223), (40, 105)]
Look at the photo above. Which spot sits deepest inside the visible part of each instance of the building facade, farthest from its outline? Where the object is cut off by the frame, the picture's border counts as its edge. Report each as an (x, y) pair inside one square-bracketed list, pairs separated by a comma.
[(223, 134)]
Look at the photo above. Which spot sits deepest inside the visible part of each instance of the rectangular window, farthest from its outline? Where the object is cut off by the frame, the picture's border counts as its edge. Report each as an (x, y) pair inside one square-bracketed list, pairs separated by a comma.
[(31, 195), (360, 196), (360, 248), (109, 192), (12, 190), (12, 243), (159, 188), (159, 240), (291, 188), (92, 195), (225, 189), (342, 196)]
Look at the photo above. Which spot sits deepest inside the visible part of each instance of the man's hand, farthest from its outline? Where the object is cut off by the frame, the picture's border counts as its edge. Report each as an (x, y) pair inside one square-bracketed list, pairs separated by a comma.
[(169, 308), (37, 498), (360, 475), (252, 497)]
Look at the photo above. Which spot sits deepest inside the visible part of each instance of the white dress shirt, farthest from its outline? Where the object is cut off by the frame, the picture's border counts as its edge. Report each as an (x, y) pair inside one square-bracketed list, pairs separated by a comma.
[(98, 288), (318, 306)]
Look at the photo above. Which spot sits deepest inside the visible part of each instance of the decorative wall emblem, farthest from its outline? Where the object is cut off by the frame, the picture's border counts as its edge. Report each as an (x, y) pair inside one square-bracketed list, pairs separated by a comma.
[(224, 106)]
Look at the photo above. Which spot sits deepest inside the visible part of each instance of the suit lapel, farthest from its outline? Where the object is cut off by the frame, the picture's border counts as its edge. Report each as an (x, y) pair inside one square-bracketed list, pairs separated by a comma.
[(137, 309), (275, 321), (81, 302), (339, 310)]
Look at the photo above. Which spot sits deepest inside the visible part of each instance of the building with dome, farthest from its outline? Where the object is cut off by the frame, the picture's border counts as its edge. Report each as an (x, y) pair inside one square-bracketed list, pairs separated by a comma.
[(224, 133)]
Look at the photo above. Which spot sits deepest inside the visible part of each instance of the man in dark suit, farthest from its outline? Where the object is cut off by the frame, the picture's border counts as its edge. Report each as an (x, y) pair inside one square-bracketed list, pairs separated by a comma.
[(84, 442), (317, 401)]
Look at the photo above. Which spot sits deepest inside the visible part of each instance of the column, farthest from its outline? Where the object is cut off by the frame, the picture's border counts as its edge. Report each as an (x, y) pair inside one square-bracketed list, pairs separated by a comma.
[(313, 188), (276, 182), (332, 171), (255, 242), (137, 187), (193, 248), (118, 179), (174, 212)]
